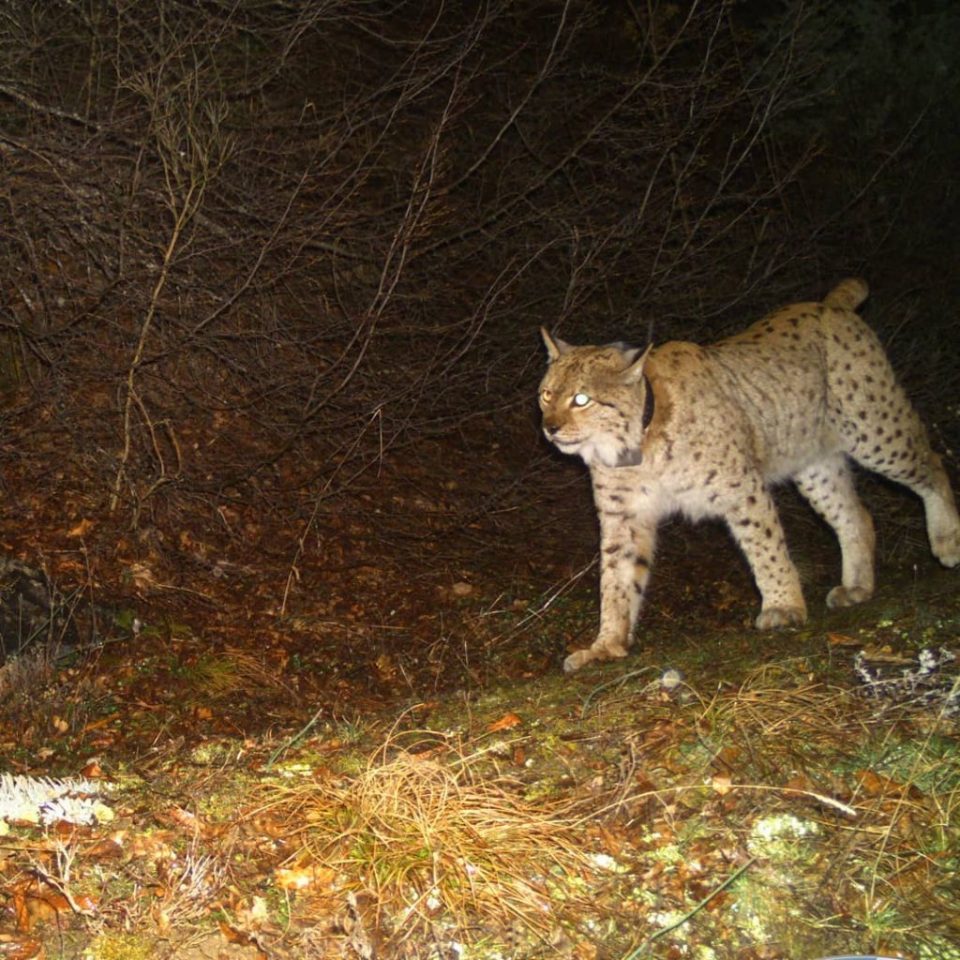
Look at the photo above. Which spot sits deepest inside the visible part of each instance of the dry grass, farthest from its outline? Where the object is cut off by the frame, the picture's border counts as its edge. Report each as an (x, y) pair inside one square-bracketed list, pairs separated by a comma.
[(437, 849), (880, 782), (235, 671)]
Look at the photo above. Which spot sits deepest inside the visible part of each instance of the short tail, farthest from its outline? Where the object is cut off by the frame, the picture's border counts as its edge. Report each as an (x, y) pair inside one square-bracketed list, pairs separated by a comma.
[(847, 294)]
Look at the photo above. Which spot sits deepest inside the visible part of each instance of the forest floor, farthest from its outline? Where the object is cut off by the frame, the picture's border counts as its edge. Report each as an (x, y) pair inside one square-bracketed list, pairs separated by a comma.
[(357, 740)]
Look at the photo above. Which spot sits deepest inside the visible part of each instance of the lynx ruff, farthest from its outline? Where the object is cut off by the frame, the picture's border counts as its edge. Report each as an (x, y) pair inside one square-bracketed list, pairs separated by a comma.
[(706, 430)]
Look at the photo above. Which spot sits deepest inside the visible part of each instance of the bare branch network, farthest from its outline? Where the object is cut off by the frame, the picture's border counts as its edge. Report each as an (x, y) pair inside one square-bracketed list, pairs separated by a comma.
[(252, 249)]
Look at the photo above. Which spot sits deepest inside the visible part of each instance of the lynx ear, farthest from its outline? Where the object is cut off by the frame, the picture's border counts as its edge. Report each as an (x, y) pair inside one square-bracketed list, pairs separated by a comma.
[(634, 372), (555, 347)]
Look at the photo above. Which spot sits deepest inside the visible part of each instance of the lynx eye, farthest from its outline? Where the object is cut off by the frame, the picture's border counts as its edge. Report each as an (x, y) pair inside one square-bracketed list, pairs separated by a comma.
[(546, 396), (580, 400)]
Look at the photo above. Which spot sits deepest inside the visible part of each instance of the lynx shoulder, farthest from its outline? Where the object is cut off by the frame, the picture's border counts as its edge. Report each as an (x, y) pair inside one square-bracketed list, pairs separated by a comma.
[(706, 430)]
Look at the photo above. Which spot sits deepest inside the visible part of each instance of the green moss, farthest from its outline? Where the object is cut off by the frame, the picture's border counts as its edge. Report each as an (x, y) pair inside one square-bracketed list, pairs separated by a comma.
[(113, 946)]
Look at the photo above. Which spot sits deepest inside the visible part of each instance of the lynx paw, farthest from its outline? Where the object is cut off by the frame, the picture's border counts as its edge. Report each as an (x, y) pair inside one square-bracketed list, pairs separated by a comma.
[(579, 658), (847, 596), (946, 548), (773, 617)]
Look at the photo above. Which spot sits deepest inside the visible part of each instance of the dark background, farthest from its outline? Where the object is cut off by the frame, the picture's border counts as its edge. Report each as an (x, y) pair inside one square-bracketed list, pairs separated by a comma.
[(271, 273)]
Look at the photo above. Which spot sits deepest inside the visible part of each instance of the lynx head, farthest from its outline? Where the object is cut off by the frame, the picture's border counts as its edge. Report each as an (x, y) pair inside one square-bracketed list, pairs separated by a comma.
[(596, 402)]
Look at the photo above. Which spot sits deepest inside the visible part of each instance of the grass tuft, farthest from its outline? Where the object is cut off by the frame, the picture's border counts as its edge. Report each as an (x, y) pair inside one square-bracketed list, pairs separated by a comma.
[(438, 851)]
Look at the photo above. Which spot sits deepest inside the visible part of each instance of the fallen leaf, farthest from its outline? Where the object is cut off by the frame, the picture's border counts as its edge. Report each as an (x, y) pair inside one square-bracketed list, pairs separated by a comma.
[(728, 755), (184, 818), (34, 902), (96, 725), (884, 654), (842, 640), (20, 948), (386, 668), (234, 935), (506, 722), (142, 576), (109, 848), (800, 782), (876, 785), (91, 769), (722, 784), (299, 878)]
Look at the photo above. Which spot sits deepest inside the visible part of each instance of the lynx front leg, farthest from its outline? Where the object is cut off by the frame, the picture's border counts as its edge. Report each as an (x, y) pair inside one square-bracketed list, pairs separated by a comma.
[(626, 555), (756, 528)]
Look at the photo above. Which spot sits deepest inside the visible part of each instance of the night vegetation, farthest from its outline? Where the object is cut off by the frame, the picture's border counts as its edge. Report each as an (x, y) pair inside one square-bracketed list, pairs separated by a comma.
[(271, 276)]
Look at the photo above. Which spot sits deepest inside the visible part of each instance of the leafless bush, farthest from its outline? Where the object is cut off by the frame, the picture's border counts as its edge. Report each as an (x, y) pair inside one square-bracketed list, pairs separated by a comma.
[(249, 249)]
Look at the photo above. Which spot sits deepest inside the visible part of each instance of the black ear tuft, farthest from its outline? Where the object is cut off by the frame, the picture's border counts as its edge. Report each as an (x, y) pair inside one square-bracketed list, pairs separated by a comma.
[(555, 346), (637, 357)]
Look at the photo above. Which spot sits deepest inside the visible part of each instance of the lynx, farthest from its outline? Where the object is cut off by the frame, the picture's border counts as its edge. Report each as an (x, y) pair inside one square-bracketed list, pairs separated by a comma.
[(705, 431)]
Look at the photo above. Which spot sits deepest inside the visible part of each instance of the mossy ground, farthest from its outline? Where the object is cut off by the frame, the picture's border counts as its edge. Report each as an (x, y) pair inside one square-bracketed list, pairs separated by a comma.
[(353, 778)]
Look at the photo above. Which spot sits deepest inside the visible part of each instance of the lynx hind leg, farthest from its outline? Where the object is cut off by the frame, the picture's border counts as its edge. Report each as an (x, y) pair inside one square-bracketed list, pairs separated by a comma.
[(829, 488), (943, 522), (756, 528), (883, 432), (626, 554)]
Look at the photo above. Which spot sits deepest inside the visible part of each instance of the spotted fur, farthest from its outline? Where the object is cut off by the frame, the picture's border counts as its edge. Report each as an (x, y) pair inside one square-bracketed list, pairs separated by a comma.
[(705, 431)]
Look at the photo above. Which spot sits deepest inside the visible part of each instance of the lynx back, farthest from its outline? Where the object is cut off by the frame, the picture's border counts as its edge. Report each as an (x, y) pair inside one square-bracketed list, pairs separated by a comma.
[(706, 430)]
